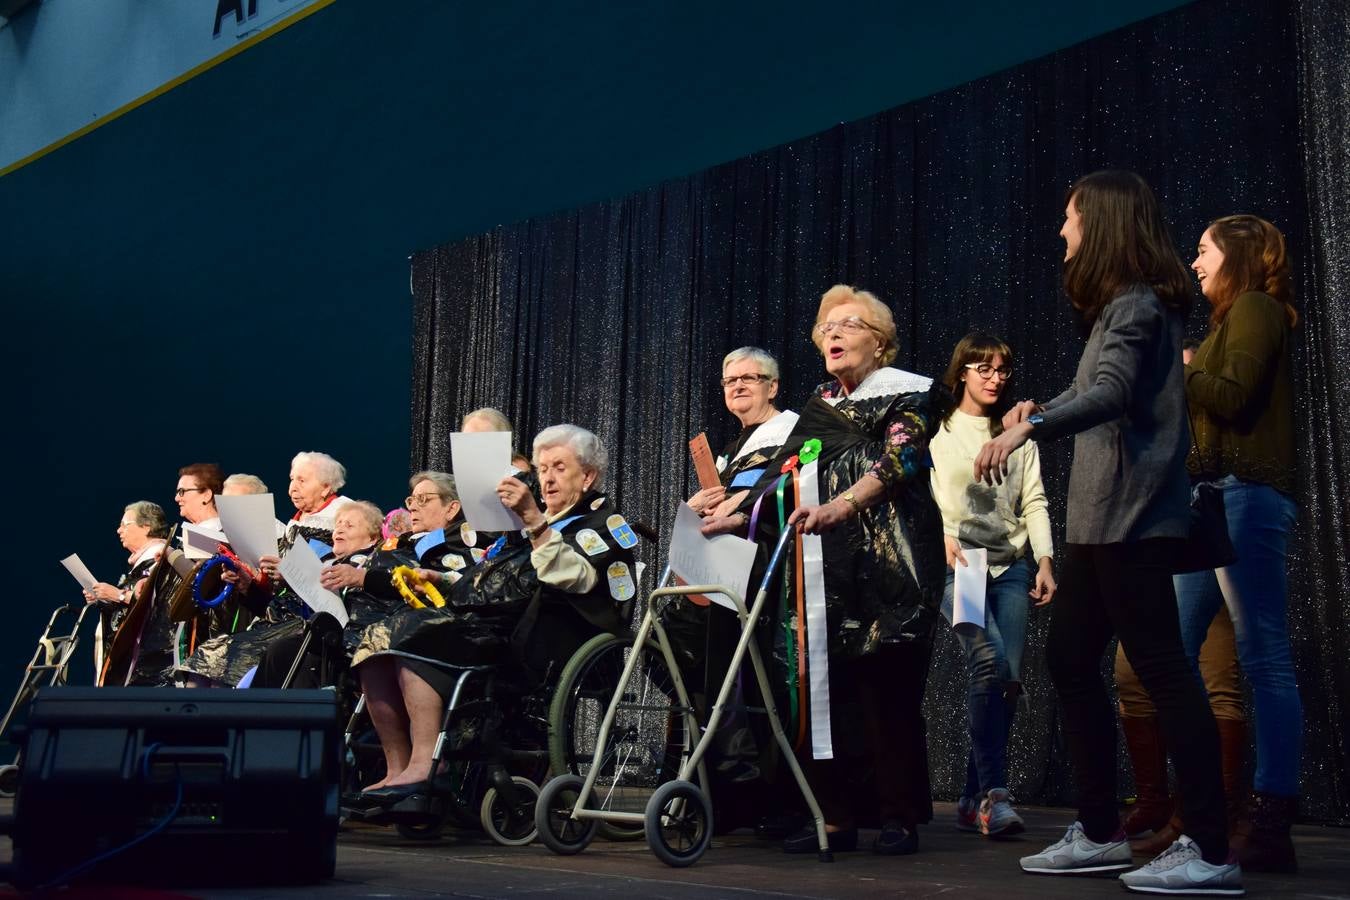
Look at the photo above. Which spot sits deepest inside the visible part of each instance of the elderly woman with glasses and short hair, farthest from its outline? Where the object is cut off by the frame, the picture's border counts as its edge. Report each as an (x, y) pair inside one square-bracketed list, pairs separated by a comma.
[(867, 431), (542, 592)]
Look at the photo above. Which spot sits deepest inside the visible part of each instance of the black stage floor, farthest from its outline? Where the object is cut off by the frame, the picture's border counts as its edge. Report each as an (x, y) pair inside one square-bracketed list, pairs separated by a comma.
[(377, 863)]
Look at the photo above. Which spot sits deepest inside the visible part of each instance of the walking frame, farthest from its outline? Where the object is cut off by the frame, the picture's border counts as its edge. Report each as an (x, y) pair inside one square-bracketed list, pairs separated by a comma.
[(48, 667), (656, 818)]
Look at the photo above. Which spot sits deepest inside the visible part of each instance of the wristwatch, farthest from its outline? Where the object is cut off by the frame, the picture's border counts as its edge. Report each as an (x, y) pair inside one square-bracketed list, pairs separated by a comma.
[(852, 501), (534, 533)]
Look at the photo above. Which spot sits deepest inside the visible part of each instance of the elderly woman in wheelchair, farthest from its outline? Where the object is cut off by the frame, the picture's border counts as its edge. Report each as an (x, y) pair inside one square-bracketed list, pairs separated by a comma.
[(534, 600)]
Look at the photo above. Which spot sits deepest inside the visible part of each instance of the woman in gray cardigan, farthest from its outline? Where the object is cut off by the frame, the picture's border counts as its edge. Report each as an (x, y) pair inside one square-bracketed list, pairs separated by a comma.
[(1127, 511)]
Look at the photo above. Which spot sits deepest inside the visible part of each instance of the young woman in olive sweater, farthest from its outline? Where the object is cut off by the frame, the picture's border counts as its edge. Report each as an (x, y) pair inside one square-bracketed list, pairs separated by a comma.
[(1241, 397)]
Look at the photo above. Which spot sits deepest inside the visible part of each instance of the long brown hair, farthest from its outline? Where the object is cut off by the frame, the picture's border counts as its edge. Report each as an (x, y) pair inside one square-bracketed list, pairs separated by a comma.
[(1254, 259), (977, 347), (1125, 242)]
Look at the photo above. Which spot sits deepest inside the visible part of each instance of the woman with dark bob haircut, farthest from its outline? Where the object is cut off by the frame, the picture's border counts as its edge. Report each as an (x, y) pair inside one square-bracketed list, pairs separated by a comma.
[(1128, 509)]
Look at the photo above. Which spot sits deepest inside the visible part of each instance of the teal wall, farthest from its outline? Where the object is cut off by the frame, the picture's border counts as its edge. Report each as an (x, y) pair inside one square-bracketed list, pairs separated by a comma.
[(222, 273)]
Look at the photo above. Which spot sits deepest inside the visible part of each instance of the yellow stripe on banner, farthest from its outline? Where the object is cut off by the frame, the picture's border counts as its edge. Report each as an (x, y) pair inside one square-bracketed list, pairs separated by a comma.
[(170, 85)]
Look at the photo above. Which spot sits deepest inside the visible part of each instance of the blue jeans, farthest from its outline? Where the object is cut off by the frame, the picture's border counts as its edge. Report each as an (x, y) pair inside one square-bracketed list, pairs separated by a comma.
[(1256, 591), (993, 666)]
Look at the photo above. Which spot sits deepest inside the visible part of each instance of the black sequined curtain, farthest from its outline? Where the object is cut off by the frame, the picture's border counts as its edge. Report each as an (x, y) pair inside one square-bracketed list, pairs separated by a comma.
[(616, 316)]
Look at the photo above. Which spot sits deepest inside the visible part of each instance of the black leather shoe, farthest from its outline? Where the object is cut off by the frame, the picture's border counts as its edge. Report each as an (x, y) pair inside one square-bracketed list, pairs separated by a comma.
[(388, 796), (777, 827), (896, 840), (805, 841)]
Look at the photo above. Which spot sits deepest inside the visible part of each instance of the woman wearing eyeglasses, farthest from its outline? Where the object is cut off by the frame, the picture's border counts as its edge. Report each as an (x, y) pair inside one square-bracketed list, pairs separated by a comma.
[(881, 544), (1001, 520), (198, 486)]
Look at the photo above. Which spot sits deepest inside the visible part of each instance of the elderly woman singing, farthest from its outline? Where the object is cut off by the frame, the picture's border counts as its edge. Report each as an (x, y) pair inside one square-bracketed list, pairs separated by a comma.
[(542, 592), (881, 542)]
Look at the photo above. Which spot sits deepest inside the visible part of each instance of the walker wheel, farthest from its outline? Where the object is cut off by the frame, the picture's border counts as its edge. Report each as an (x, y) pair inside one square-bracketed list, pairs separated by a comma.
[(511, 824), (9, 781), (553, 817), (679, 823)]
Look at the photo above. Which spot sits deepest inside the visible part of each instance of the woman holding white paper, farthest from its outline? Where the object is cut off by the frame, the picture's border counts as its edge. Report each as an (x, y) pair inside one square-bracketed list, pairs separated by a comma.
[(142, 532), (541, 593), (1000, 521)]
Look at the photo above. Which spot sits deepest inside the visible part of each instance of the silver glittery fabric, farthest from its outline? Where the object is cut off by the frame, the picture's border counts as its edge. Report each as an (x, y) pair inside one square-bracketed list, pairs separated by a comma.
[(616, 316)]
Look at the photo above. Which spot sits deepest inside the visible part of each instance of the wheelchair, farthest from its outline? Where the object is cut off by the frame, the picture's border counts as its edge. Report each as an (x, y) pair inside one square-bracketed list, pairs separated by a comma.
[(490, 756), (503, 731)]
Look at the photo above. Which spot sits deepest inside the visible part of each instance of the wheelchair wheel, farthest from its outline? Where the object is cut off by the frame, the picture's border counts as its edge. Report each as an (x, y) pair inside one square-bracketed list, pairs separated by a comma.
[(647, 740), (9, 780), (511, 824), (553, 817), (425, 828), (679, 823)]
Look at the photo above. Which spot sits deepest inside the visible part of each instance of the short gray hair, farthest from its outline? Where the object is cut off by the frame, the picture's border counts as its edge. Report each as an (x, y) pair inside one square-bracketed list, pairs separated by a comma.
[(767, 364), (444, 481), (498, 419), (248, 484), (149, 515), (589, 450), (326, 469), (371, 514)]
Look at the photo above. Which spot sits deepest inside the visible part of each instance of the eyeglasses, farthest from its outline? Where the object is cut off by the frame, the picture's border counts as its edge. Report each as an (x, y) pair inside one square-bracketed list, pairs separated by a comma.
[(731, 380), (847, 325), (417, 501), (185, 491), (986, 371)]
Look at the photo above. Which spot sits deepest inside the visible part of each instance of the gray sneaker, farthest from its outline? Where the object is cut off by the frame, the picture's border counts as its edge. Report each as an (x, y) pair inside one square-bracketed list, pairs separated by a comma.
[(1074, 854), (997, 816), (1180, 870)]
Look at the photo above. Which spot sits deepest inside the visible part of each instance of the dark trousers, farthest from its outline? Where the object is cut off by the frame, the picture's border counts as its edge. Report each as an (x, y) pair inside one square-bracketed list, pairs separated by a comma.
[(878, 725), (1126, 590)]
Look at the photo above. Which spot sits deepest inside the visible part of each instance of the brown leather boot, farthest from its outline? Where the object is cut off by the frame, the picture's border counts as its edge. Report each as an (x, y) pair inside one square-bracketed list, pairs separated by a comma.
[(1162, 838), (1268, 847), (1148, 757), (1233, 756)]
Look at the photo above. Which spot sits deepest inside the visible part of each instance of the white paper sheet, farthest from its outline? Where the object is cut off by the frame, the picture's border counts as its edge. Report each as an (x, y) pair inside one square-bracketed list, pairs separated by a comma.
[(817, 630), (201, 543), (75, 566), (249, 522), (301, 569), (724, 559), (968, 591), (480, 460)]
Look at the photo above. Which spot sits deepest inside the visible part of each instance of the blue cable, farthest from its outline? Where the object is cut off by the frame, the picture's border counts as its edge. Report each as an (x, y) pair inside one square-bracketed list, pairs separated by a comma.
[(154, 830)]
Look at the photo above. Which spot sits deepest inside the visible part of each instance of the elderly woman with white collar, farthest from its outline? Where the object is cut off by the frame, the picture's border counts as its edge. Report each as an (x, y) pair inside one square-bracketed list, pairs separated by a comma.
[(542, 593), (316, 479), (880, 585), (142, 532)]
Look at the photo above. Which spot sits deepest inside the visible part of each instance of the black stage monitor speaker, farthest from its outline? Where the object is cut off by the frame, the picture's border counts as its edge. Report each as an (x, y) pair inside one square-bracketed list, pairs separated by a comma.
[(205, 785)]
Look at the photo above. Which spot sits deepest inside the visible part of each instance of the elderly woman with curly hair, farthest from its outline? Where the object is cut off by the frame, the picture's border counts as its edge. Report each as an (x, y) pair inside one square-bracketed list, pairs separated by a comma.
[(881, 542), (570, 574)]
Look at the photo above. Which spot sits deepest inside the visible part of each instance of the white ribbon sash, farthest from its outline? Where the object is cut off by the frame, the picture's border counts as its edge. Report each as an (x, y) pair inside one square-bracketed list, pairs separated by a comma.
[(817, 630), (771, 433)]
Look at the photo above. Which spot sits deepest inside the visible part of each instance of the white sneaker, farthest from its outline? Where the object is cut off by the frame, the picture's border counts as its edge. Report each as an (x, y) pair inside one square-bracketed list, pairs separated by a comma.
[(1181, 870), (1074, 854)]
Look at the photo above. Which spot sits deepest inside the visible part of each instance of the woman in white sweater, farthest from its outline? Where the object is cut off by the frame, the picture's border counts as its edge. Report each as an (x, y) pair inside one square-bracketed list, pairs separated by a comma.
[(1002, 520)]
